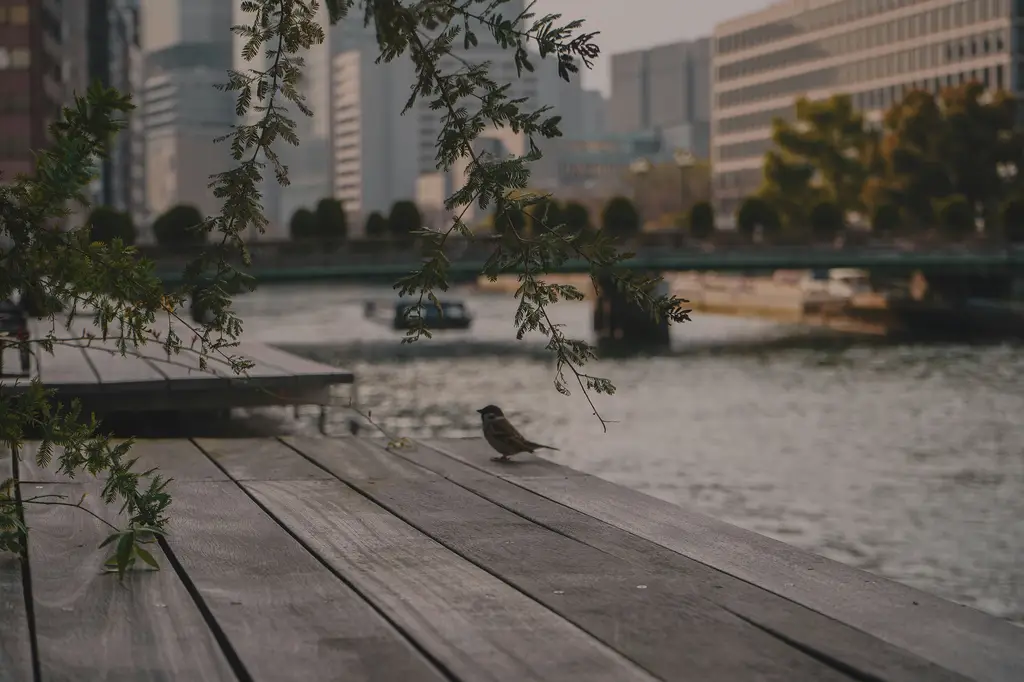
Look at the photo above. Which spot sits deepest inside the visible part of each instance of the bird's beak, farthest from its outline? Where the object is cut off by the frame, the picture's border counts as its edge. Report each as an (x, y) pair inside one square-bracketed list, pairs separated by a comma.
[(480, 411)]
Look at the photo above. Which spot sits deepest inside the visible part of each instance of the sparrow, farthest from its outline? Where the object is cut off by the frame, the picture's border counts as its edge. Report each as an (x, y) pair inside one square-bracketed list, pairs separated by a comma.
[(503, 437)]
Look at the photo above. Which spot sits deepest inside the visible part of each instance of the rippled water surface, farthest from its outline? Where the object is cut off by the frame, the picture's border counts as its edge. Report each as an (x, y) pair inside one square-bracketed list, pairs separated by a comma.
[(903, 460)]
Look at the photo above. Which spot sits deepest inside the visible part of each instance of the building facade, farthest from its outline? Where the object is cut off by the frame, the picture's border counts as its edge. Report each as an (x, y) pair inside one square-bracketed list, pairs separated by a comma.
[(874, 50), (375, 148), (31, 80), (664, 89), (188, 51)]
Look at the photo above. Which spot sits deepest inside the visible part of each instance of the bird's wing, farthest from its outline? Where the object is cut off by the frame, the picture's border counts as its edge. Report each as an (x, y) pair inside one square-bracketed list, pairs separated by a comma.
[(504, 430)]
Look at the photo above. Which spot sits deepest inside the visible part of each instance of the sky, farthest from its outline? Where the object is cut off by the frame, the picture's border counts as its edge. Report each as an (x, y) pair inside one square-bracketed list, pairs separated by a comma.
[(626, 25)]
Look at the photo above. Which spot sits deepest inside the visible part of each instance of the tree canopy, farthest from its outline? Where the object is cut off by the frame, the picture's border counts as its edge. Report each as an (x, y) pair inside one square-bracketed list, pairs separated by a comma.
[(404, 219), (702, 220), (331, 222), (106, 224), (180, 225), (376, 226), (620, 218), (926, 151)]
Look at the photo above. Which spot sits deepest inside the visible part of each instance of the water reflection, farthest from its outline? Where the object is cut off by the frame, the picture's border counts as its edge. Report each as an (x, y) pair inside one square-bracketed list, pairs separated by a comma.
[(903, 460)]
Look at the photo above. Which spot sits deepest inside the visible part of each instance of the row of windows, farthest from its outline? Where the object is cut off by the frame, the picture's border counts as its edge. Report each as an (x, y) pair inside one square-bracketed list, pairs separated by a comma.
[(906, 28), (16, 15), (833, 15), (875, 99), (884, 66), (14, 58)]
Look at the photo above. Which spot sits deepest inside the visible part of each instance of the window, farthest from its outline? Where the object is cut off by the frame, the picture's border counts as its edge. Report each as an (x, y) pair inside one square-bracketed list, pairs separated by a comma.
[(18, 15), (20, 57)]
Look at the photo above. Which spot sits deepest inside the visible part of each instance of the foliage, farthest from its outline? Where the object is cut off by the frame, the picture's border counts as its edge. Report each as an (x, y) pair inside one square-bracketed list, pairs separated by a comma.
[(180, 225), (955, 215), (376, 226), (702, 220), (756, 212), (107, 224), (827, 220), (577, 218), (1012, 220), (66, 268), (546, 211), (820, 156), (303, 225), (885, 219), (504, 219), (927, 149), (331, 223), (620, 218), (404, 220)]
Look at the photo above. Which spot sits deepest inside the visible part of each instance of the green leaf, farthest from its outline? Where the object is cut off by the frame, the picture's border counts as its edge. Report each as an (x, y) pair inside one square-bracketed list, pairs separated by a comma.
[(147, 557)]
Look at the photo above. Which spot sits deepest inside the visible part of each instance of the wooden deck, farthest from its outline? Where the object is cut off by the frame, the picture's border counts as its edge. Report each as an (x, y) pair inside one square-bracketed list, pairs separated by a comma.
[(335, 559), (152, 381)]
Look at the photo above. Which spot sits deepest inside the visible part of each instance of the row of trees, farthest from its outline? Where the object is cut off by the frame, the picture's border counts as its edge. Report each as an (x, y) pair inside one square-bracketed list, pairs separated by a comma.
[(950, 161), (329, 223)]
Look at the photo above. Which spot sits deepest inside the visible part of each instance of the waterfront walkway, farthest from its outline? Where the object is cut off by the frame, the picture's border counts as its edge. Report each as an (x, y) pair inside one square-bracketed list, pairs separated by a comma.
[(331, 559), (150, 380)]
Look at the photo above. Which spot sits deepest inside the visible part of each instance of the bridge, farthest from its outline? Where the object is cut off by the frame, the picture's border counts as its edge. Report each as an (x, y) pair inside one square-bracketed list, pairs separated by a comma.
[(284, 263)]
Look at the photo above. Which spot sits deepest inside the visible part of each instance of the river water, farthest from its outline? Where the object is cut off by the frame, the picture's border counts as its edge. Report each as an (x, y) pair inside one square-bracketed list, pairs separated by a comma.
[(907, 461)]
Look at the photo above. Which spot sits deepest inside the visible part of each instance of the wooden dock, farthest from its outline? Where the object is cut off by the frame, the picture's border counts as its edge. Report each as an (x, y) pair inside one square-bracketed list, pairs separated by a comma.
[(150, 380), (336, 559)]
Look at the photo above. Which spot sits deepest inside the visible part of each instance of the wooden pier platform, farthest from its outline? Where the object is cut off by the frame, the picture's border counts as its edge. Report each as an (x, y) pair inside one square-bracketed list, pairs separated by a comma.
[(153, 381), (336, 559)]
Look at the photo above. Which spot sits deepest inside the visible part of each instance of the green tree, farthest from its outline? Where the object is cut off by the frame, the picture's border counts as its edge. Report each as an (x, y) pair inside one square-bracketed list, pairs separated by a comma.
[(126, 295), (404, 219), (577, 218), (107, 224), (830, 137), (506, 214), (885, 219), (827, 220), (702, 220), (955, 215), (620, 218), (376, 226), (1012, 220), (331, 223), (303, 226), (180, 225), (755, 212), (546, 212)]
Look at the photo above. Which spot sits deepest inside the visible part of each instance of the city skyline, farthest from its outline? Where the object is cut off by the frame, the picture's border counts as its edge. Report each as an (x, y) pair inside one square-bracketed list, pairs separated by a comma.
[(642, 24)]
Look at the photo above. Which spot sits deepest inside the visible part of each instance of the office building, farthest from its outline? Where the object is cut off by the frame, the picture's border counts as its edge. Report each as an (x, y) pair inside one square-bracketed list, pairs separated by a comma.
[(188, 51), (31, 80), (874, 50), (595, 113), (665, 89), (374, 146)]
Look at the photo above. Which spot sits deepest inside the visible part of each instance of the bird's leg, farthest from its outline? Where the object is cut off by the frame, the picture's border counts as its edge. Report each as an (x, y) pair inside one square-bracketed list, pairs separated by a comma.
[(502, 459)]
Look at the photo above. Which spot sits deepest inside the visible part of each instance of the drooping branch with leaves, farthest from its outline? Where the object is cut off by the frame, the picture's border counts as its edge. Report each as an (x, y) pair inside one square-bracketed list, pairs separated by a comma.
[(63, 271)]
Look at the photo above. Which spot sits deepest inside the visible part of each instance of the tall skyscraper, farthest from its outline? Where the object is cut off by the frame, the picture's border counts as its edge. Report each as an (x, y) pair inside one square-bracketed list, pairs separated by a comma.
[(873, 50), (188, 50), (665, 89), (31, 80)]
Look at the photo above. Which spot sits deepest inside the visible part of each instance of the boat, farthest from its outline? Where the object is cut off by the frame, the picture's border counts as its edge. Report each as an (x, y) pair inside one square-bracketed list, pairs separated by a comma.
[(452, 315)]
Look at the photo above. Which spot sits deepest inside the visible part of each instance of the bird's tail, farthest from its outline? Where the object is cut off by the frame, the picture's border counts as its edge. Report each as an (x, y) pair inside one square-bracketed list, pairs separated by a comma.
[(538, 446)]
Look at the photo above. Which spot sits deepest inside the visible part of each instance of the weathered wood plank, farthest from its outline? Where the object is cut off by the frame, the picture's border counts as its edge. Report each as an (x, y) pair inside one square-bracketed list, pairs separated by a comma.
[(129, 372), (91, 627), (955, 637), (475, 625), (289, 364), (259, 459), (15, 641), (641, 613), (170, 456), (66, 367), (285, 613), (871, 657)]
